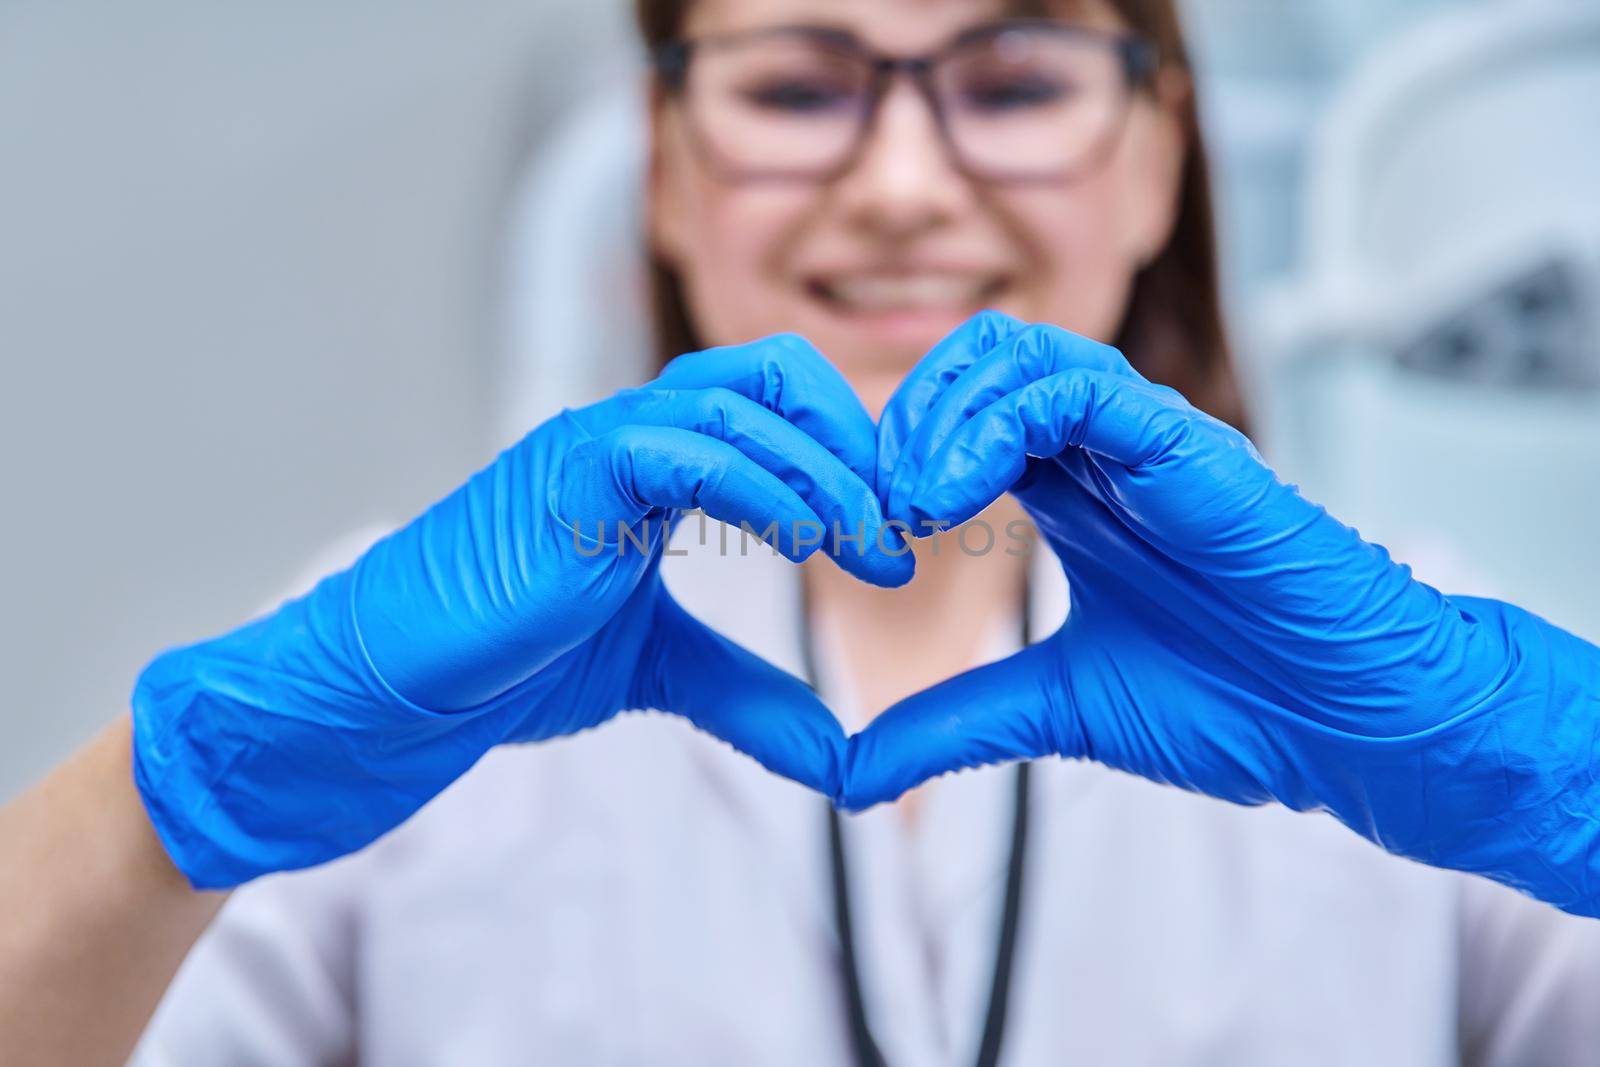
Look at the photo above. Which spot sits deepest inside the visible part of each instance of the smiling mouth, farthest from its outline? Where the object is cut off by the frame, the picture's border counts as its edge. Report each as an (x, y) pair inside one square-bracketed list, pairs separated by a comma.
[(887, 294)]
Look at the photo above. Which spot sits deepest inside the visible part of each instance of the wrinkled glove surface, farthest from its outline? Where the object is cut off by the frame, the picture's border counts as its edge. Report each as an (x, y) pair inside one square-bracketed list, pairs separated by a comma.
[(1226, 635), (515, 610)]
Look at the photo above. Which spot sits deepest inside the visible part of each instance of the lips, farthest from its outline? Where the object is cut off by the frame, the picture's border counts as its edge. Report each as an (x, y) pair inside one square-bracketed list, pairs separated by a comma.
[(903, 292)]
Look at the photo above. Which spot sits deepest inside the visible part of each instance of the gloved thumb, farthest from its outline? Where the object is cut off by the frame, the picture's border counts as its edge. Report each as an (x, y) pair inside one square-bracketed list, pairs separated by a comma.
[(999, 713), (733, 694)]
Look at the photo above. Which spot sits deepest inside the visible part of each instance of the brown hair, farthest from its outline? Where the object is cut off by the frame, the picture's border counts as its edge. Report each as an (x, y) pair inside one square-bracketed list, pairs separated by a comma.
[(1173, 331)]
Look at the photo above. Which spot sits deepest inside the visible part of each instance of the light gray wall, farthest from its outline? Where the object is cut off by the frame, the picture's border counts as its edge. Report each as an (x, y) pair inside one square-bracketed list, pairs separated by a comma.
[(247, 256)]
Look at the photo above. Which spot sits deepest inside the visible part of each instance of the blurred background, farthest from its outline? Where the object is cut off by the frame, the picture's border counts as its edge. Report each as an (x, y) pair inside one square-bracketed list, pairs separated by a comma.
[(259, 274)]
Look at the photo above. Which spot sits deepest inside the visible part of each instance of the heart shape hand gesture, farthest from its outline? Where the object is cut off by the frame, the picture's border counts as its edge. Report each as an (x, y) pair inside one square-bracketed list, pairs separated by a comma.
[(1225, 635)]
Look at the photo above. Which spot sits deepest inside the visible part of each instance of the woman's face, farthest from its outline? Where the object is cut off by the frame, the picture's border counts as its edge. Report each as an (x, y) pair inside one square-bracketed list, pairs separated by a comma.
[(875, 265)]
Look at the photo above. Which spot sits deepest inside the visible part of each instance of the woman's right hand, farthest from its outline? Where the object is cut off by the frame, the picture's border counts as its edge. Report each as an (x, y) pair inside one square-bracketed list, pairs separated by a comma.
[(1227, 635), (516, 610)]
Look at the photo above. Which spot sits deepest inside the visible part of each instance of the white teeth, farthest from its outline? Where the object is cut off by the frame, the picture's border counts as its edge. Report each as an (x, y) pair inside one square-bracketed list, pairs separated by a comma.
[(907, 292)]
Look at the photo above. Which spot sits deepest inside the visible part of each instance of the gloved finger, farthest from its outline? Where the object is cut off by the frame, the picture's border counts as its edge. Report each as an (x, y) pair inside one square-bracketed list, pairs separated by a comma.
[(1128, 421), (943, 364), (1026, 356), (736, 696), (626, 474), (852, 531), (999, 713), (786, 374)]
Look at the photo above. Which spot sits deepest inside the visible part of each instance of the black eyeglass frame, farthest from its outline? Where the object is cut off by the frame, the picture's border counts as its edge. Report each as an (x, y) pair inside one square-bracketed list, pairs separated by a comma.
[(1138, 57)]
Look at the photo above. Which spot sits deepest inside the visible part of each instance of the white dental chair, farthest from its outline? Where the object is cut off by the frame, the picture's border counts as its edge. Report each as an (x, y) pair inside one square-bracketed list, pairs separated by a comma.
[(1433, 374)]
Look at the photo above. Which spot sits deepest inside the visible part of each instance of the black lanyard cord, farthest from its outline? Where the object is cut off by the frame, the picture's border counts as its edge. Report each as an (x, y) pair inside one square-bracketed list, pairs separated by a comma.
[(994, 1022), (867, 1053), (865, 1046), (861, 1039)]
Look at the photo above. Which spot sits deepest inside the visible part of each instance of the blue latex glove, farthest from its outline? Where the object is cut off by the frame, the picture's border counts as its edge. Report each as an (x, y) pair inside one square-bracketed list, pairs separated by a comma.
[(1225, 634), (307, 734)]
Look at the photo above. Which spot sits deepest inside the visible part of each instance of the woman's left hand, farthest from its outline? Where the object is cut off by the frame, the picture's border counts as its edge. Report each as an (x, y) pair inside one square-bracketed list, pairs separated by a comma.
[(1226, 635), (526, 605)]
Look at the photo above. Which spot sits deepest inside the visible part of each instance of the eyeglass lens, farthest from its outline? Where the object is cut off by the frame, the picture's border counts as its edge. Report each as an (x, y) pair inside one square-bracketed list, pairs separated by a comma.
[(1022, 102)]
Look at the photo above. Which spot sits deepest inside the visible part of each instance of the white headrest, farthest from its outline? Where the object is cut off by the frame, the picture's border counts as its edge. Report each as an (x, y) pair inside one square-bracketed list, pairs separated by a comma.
[(1459, 150), (576, 301), (1478, 119)]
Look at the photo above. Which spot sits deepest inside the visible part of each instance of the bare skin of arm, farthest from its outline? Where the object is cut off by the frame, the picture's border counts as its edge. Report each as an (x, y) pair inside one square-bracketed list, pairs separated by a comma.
[(94, 917)]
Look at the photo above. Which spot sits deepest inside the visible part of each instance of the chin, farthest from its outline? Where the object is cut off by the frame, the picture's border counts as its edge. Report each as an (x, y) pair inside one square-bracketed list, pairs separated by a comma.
[(886, 343), (875, 379), (876, 388), (875, 368)]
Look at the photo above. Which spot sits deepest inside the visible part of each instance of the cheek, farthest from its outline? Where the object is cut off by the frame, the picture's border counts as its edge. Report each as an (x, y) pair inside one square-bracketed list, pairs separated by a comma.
[(1080, 273), (734, 242)]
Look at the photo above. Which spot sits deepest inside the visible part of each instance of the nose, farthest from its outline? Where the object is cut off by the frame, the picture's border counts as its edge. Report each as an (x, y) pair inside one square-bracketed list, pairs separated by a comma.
[(904, 181)]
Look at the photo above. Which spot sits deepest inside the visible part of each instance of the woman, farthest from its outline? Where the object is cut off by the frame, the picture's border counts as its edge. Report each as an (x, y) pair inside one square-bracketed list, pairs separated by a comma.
[(639, 894)]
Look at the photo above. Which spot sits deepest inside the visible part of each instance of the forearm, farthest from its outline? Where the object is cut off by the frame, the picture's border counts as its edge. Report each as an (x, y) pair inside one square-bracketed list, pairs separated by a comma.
[(96, 917)]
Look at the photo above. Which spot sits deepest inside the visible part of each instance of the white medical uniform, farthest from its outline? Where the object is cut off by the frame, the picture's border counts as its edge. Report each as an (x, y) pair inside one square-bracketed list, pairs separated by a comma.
[(642, 894)]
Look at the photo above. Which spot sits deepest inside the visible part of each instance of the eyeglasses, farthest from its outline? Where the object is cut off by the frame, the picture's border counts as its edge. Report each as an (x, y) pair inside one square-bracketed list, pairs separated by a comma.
[(1014, 101)]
